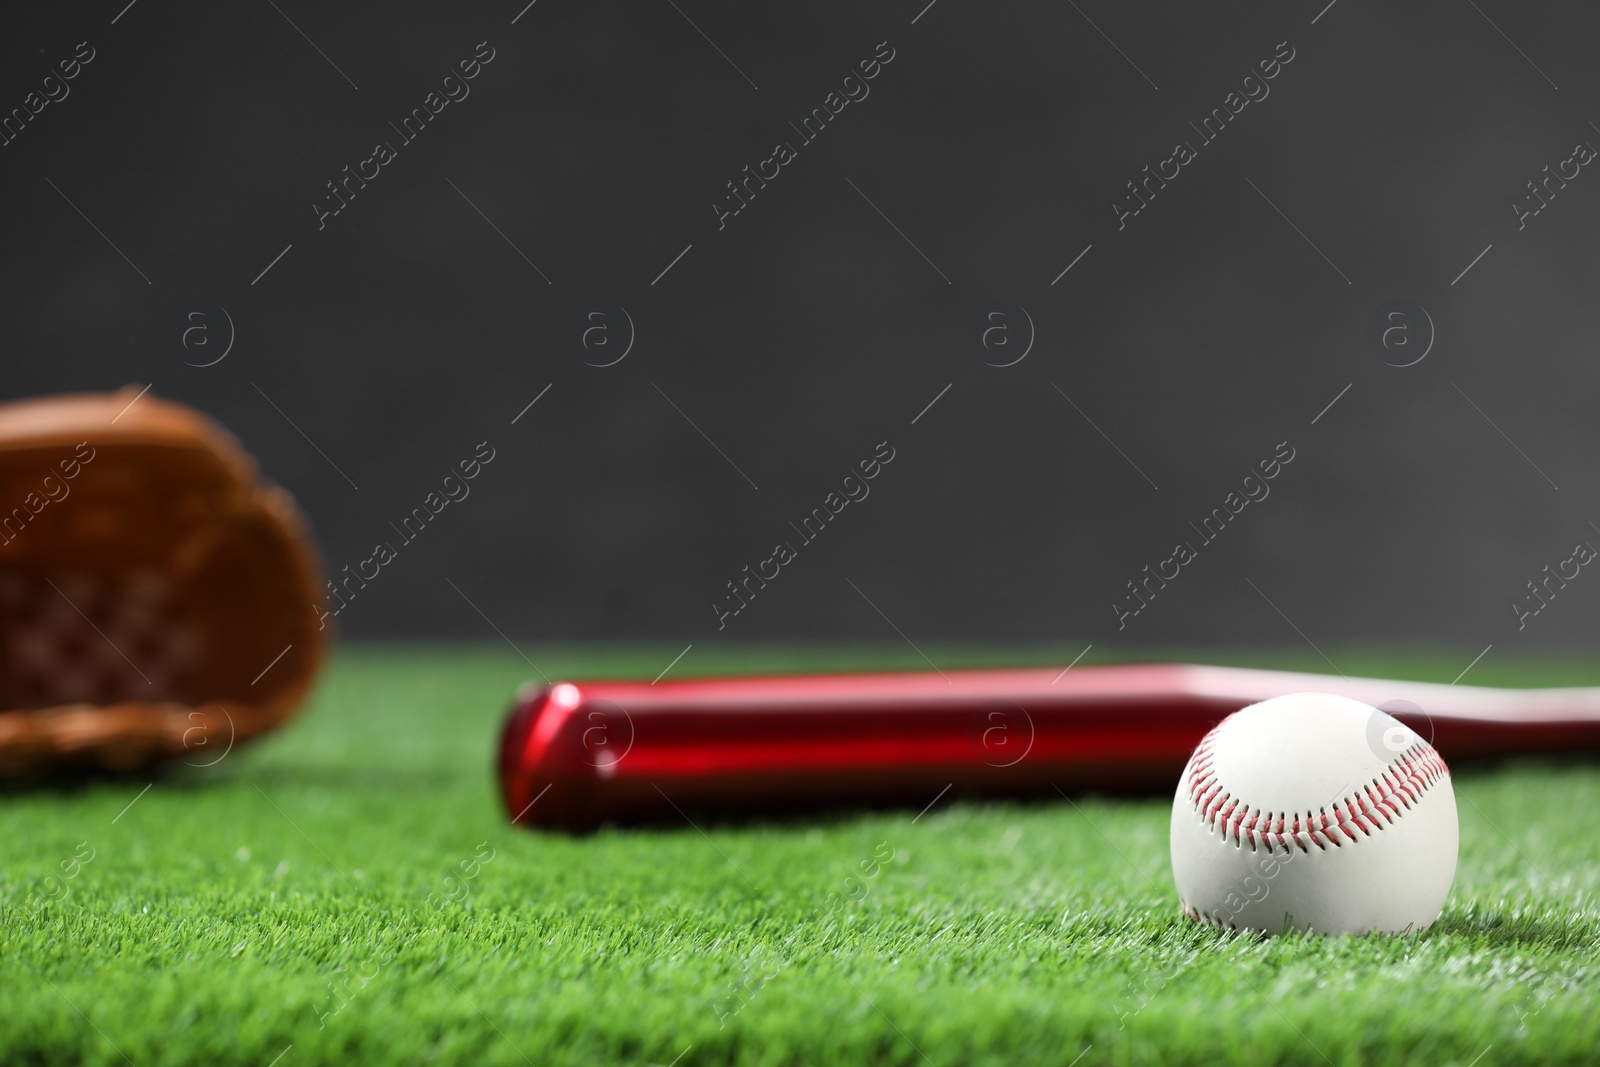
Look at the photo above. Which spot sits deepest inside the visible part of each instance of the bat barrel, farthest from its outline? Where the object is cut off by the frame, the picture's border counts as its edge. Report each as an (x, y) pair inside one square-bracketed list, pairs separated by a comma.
[(576, 755)]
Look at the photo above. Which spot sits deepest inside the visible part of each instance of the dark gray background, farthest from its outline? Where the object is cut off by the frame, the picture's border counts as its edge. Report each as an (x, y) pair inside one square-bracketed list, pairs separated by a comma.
[(809, 329)]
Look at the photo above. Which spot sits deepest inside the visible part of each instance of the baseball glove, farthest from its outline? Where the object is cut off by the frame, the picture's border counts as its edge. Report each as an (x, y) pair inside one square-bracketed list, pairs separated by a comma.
[(155, 596)]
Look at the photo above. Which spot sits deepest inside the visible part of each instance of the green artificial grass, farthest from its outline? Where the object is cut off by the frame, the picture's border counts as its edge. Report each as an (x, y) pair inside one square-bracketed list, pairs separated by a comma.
[(349, 891)]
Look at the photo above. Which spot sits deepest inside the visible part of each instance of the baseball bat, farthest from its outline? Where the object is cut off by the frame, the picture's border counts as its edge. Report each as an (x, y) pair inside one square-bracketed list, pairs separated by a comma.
[(574, 755)]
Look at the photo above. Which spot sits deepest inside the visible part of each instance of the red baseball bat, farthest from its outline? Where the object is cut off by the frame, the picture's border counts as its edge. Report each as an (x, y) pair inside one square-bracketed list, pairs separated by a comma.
[(575, 755)]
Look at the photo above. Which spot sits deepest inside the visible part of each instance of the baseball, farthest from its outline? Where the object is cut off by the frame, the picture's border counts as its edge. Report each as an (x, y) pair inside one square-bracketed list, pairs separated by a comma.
[(1314, 812)]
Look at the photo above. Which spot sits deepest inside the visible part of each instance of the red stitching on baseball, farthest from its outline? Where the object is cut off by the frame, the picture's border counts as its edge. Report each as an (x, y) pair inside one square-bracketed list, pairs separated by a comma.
[(1208, 920), (1371, 809)]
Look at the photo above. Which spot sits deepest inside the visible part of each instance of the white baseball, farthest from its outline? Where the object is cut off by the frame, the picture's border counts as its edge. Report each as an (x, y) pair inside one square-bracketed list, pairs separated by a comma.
[(1314, 812)]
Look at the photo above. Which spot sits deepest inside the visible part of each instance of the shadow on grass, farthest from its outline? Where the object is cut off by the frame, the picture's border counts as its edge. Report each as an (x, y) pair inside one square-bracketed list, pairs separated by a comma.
[(805, 814), (1504, 928), (1498, 930)]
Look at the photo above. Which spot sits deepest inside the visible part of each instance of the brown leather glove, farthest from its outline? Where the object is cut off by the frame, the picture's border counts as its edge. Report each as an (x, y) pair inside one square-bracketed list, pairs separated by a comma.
[(156, 598)]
